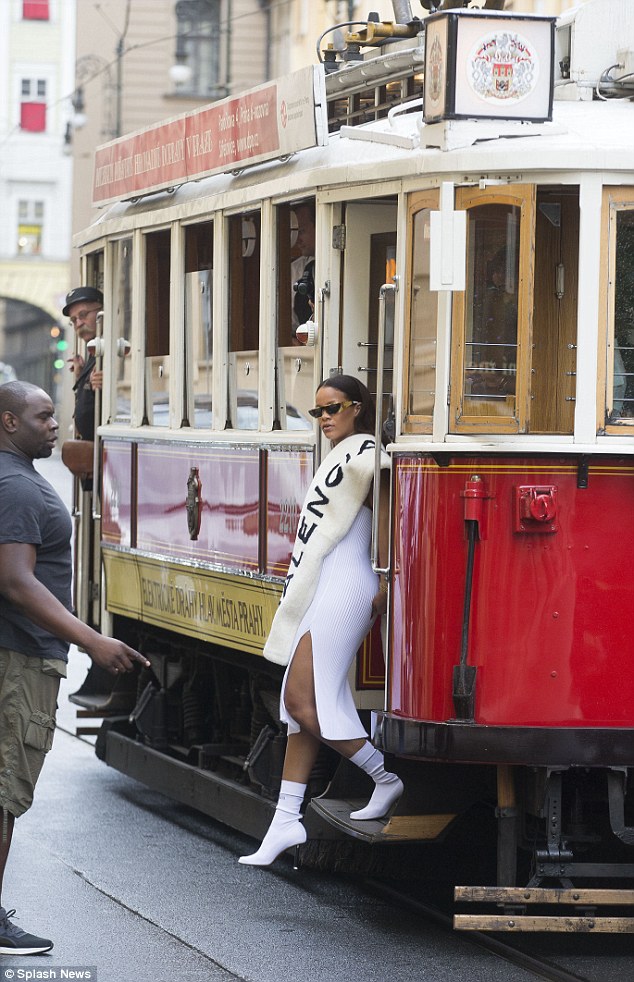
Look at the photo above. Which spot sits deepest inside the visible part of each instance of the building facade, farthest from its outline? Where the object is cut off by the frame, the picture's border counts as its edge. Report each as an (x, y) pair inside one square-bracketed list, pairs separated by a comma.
[(140, 61), (36, 73)]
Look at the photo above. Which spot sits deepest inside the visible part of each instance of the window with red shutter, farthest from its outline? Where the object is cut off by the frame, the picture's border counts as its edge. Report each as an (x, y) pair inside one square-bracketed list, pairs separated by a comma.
[(35, 9), (33, 116)]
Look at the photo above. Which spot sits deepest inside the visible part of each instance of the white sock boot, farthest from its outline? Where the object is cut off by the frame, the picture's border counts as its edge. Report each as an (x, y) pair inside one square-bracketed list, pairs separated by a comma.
[(285, 830), (389, 787)]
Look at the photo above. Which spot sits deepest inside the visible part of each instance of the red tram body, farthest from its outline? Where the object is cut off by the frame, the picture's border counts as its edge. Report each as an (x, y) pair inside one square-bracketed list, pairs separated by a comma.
[(552, 607), (484, 287)]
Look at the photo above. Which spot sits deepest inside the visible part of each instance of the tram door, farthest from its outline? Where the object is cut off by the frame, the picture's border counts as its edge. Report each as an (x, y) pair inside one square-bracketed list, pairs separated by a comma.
[(369, 261), (555, 310)]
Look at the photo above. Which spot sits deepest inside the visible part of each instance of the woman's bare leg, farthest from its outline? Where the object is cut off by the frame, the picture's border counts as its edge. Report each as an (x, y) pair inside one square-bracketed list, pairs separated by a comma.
[(302, 747), (299, 699)]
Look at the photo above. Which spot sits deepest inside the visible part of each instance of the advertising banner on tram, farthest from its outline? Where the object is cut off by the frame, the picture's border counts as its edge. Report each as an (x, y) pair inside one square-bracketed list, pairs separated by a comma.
[(273, 120)]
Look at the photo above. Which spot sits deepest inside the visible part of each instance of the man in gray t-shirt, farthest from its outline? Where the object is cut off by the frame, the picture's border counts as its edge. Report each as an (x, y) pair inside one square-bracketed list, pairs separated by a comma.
[(32, 512), (36, 621)]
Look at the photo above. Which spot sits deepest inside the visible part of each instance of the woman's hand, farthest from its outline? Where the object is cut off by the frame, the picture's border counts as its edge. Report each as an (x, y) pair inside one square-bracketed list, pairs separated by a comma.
[(379, 603)]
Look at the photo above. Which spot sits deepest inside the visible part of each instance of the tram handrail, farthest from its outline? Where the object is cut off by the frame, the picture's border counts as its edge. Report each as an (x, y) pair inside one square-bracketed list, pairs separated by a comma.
[(386, 289)]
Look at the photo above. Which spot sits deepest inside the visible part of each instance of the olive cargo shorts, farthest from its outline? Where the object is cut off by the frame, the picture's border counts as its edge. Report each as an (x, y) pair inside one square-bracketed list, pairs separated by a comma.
[(28, 701)]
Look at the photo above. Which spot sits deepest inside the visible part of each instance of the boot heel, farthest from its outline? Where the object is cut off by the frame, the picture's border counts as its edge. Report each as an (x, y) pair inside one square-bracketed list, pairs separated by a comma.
[(296, 863)]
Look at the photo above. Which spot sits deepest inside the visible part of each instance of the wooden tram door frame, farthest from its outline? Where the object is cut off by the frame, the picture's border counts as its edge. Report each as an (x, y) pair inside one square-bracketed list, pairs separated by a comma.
[(521, 196), (553, 363), (547, 323)]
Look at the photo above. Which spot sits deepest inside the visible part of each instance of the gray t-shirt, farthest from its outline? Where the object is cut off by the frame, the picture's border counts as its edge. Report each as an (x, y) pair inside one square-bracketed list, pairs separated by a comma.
[(31, 511)]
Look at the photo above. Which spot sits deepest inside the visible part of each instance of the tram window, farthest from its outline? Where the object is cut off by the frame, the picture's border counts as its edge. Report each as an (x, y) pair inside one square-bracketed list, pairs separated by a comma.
[(95, 270), (198, 321), (423, 314), (491, 329), (122, 326), (157, 326), (621, 315), (492, 317), (295, 306), (244, 318)]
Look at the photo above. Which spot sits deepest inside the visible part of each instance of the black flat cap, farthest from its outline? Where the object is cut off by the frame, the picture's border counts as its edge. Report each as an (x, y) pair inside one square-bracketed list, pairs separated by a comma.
[(80, 293)]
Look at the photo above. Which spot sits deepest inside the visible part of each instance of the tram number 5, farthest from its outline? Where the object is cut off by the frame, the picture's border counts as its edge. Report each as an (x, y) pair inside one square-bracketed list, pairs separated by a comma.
[(289, 516)]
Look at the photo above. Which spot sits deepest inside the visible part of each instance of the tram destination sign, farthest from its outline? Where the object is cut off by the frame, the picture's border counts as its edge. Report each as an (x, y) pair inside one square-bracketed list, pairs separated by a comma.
[(272, 120)]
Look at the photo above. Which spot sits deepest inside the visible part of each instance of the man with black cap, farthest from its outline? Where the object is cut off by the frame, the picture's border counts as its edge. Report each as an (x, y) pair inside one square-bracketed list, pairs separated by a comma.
[(82, 306)]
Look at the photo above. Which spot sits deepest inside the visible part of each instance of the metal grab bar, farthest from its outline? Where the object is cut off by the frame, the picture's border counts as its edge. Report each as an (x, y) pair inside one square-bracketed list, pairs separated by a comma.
[(97, 348), (386, 289)]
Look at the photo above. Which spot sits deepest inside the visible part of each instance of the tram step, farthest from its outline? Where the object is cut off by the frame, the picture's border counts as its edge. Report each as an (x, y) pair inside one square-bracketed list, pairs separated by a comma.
[(580, 918), (103, 703), (395, 829)]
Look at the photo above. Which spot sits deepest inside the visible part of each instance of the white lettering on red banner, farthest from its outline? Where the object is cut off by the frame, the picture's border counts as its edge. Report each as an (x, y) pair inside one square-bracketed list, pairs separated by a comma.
[(270, 121)]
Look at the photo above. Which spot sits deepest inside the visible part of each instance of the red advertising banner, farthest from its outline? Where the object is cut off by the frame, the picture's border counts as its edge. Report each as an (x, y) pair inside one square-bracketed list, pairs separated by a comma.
[(270, 121)]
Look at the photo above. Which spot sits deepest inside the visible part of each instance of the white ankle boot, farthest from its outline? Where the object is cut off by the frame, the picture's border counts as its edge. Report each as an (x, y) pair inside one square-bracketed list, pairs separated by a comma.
[(286, 829), (389, 787), (383, 797)]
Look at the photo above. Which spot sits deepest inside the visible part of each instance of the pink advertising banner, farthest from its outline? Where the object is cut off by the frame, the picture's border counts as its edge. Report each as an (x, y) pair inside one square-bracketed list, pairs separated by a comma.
[(273, 120)]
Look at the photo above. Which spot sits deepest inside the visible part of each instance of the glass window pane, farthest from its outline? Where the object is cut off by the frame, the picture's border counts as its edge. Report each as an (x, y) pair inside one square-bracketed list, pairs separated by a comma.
[(29, 239), (198, 44), (490, 363), (244, 320), (623, 368), (157, 326), (198, 319), (423, 317), (123, 325), (295, 265)]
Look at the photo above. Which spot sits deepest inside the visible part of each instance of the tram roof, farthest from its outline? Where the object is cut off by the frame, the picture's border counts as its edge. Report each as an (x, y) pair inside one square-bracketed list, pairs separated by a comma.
[(583, 137)]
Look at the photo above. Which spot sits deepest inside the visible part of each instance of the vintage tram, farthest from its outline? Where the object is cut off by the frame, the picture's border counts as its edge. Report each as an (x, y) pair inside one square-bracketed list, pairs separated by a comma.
[(474, 262)]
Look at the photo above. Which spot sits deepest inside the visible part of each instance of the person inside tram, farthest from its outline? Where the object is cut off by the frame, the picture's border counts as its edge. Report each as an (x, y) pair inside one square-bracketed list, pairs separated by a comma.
[(331, 598), (82, 306), (303, 271)]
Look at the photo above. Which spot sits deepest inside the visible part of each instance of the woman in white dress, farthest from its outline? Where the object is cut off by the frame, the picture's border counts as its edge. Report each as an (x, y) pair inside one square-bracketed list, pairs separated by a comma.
[(332, 550)]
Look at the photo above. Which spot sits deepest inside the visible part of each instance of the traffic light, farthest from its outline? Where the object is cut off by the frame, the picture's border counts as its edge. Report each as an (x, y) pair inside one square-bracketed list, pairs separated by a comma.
[(60, 346)]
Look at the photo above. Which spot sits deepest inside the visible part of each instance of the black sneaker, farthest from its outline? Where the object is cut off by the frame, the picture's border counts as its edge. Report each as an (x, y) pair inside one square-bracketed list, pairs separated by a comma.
[(15, 941)]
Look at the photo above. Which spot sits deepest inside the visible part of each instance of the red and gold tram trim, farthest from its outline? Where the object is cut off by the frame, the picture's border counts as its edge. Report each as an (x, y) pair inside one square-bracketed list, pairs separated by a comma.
[(210, 606), (197, 539)]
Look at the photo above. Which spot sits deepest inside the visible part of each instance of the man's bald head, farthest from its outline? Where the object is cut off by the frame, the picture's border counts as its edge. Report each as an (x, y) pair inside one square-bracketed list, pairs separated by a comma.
[(14, 396)]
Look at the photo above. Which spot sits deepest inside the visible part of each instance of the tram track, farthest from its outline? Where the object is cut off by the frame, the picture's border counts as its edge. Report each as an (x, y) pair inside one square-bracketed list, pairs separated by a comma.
[(540, 968)]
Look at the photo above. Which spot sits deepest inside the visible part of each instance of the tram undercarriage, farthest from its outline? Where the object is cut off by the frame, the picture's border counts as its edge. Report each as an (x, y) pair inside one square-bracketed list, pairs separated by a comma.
[(201, 726)]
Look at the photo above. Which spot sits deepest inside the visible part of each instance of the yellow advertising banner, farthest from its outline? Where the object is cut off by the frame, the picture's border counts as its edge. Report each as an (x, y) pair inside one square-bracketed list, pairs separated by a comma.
[(232, 610)]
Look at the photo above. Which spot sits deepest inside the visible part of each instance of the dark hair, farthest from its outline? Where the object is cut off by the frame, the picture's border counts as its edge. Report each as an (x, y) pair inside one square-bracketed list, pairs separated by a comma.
[(14, 396), (357, 391)]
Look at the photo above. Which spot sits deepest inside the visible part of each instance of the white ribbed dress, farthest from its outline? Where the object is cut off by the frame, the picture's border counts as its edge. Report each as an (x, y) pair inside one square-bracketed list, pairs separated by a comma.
[(338, 620)]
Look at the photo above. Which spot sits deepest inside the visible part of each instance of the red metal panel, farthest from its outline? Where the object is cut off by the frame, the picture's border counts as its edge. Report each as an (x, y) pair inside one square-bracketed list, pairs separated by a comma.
[(230, 507), (552, 617), (289, 474), (116, 494)]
